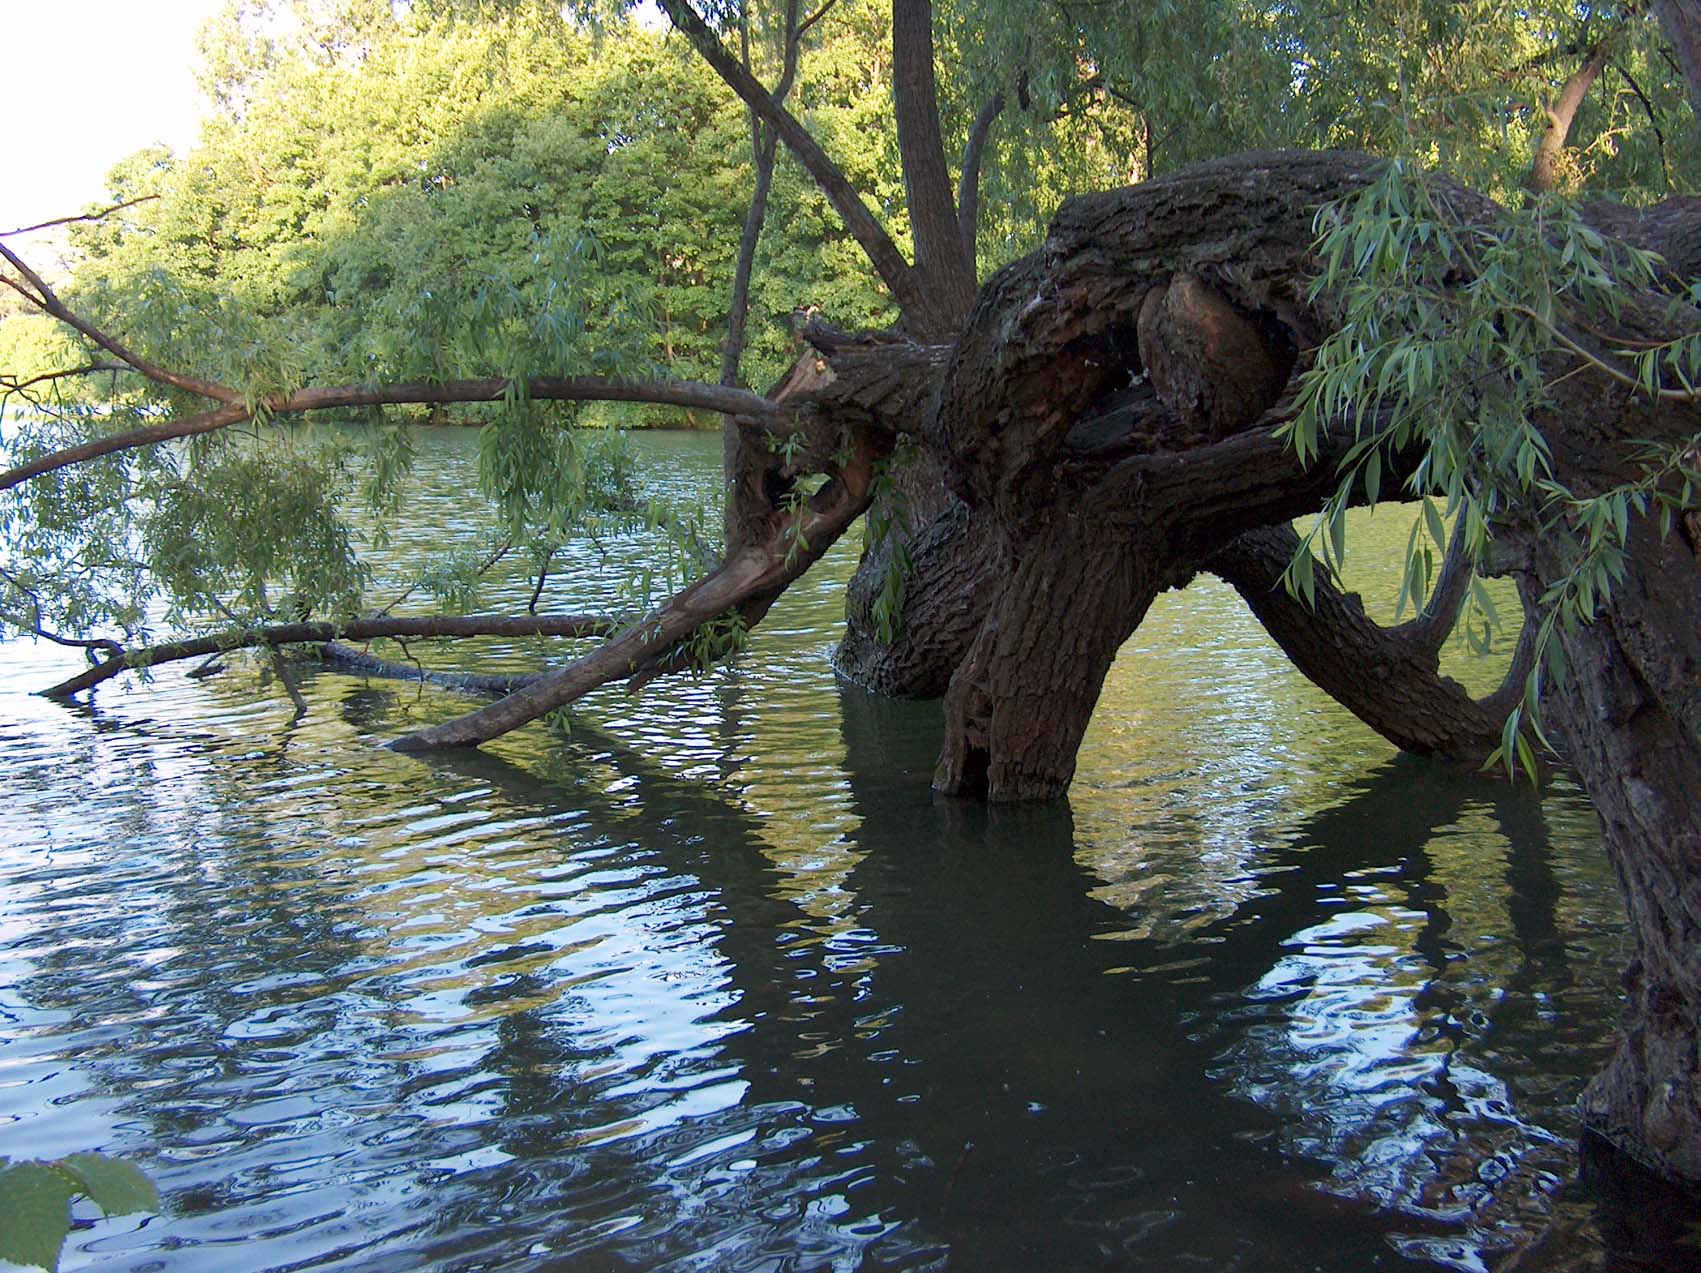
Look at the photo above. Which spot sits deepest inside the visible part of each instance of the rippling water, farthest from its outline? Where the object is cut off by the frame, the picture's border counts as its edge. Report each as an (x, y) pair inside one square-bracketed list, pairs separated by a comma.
[(714, 982)]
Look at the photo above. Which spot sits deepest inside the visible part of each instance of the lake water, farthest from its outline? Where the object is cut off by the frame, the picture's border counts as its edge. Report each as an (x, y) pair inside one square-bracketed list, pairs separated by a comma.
[(714, 981)]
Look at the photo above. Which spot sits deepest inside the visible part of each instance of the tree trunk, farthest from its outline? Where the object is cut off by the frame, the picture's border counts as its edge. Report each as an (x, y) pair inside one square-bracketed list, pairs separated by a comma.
[(939, 258), (1020, 702), (1544, 171), (1106, 411), (1681, 22), (957, 566), (1629, 715), (743, 504)]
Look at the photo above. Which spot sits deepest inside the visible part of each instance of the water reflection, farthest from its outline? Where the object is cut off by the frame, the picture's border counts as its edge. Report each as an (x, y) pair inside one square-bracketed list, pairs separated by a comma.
[(716, 982)]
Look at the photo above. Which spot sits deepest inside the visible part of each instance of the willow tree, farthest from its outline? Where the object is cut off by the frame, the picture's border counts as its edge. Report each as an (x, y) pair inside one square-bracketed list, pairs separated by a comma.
[(1177, 371)]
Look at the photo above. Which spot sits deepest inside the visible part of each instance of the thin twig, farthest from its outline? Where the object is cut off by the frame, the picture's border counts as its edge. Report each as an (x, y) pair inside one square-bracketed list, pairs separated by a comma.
[(8, 384), (542, 576), (86, 216), (49, 303)]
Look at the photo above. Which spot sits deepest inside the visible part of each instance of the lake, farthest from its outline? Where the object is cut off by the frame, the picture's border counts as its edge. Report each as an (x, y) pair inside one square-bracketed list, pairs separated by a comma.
[(710, 979)]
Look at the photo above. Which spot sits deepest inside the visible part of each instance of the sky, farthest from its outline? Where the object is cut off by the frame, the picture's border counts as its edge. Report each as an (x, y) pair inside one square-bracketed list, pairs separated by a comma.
[(86, 83)]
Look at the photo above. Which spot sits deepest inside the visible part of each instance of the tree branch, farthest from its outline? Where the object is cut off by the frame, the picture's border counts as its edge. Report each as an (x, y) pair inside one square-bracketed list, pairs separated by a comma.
[(345, 658), (888, 262), (9, 384), (1387, 679), (33, 626), (86, 216), (746, 583), (288, 679), (1431, 628), (679, 393), (1653, 121), (48, 302), (465, 625), (968, 181), (1544, 170)]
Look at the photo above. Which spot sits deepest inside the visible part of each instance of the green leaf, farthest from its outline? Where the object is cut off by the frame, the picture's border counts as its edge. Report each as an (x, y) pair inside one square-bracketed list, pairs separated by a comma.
[(115, 1186), (35, 1213), (1432, 520), (1484, 601)]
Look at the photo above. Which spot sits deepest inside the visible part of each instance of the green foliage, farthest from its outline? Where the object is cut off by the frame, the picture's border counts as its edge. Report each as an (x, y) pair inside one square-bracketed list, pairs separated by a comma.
[(453, 189), (713, 642), (36, 1196), (378, 178), (255, 517), (1451, 327), (889, 510)]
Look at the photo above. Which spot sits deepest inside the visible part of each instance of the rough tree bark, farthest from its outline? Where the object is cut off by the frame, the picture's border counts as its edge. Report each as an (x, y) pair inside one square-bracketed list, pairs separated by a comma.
[(939, 258), (1117, 452), (1629, 720), (1681, 22)]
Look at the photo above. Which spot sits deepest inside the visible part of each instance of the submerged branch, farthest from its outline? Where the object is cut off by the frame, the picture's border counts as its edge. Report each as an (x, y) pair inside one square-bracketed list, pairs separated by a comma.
[(345, 658), (745, 584)]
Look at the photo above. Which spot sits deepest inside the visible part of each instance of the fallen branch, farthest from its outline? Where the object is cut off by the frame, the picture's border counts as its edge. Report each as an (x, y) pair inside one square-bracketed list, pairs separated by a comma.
[(345, 658), (747, 584), (468, 625), (288, 679)]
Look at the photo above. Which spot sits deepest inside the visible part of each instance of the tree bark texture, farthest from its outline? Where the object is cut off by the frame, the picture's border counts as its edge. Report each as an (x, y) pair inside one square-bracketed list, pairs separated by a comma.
[(1681, 22), (939, 257), (957, 564), (1019, 704), (1107, 410), (1630, 719)]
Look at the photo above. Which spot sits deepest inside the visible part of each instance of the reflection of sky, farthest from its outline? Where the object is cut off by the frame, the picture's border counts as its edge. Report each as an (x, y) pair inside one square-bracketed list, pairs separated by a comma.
[(661, 989)]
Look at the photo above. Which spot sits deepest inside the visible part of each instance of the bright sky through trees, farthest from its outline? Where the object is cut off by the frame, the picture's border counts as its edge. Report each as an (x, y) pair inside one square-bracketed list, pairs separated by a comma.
[(89, 82)]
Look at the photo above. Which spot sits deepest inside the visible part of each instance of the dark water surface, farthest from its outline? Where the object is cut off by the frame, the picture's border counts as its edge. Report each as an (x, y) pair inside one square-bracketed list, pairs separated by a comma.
[(715, 982)]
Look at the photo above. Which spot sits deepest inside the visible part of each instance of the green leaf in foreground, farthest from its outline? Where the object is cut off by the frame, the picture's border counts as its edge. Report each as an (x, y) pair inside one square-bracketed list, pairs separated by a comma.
[(115, 1186), (35, 1202)]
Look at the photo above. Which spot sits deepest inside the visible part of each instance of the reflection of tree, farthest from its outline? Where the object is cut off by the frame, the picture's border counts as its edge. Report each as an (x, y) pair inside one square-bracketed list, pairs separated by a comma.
[(968, 1068), (627, 1033), (1389, 1035)]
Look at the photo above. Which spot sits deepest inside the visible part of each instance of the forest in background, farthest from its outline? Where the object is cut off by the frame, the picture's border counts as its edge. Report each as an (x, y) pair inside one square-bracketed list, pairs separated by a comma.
[(380, 189)]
